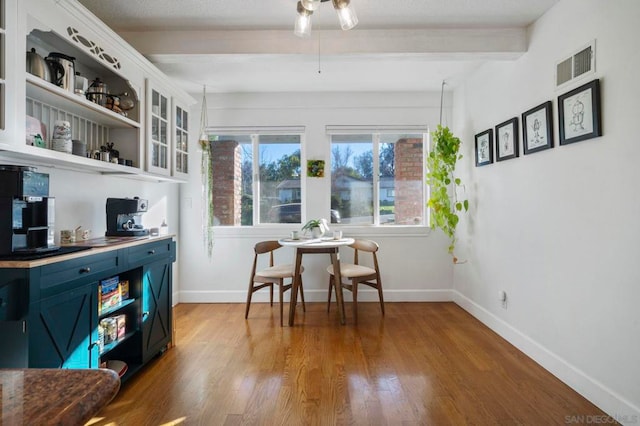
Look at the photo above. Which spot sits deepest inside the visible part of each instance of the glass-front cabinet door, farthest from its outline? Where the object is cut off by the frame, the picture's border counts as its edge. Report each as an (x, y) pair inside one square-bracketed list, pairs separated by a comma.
[(158, 137), (181, 141), (2, 64)]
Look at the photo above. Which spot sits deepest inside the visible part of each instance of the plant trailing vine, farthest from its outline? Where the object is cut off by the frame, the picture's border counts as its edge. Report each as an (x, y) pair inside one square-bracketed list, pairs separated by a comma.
[(206, 173), (441, 164)]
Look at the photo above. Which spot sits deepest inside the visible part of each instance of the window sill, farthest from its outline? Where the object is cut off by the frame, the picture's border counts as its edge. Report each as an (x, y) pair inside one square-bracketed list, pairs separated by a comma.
[(277, 231)]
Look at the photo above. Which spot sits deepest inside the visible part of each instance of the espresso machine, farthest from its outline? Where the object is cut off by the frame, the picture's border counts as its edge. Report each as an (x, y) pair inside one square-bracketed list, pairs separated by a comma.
[(124, 217), (26, 212)]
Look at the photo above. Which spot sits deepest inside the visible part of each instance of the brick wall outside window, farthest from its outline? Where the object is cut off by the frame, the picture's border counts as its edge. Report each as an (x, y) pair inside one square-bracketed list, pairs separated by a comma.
[(408, 183), (227, 182)]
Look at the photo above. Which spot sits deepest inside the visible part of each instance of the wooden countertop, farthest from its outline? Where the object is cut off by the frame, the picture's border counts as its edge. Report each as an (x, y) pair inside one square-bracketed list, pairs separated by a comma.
[(34, 396), (98, 245)]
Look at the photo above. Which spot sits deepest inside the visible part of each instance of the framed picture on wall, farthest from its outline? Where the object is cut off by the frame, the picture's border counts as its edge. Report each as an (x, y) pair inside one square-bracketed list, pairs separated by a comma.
[(484, 148), (507, 140), (579, 113), (537, 126), (315, 168)]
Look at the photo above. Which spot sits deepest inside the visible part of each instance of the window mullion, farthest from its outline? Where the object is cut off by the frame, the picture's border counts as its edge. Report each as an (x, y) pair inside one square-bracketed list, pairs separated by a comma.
[(426, 189), (376, 178), (255, 149)]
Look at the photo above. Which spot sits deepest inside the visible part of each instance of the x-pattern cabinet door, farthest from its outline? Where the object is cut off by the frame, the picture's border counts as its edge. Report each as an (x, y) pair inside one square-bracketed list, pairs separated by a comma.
[(156, 316), (64, 330)]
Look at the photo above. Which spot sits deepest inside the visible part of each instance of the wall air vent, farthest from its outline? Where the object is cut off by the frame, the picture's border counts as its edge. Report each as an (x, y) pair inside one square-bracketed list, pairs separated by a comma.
[(579, 64)]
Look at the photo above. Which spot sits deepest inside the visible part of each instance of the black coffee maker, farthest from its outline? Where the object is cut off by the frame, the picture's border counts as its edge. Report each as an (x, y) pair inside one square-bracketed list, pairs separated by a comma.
[(26, 211), (124, 217)]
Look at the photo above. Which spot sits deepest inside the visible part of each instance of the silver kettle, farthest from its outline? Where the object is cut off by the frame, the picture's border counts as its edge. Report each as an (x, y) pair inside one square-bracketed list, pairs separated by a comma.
[(63, 70), (37, 66)]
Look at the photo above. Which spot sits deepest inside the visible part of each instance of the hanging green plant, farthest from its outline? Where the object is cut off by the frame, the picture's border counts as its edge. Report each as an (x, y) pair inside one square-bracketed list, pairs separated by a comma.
[(206, 173), (441, 164), (206, 170)]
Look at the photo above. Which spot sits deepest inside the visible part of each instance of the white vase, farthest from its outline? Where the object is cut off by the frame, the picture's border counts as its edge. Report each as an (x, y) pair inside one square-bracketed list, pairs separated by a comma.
[(317, 232)]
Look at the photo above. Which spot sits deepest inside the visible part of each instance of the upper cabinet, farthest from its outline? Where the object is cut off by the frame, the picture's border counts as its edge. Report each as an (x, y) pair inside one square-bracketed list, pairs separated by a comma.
[(8, 15), (69, 68), (158, 127), (180, 161), (2, 60), (168, 127)]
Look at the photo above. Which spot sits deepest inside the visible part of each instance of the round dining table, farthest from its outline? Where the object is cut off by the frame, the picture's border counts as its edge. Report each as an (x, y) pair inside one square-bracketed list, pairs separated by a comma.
[(326, 245)]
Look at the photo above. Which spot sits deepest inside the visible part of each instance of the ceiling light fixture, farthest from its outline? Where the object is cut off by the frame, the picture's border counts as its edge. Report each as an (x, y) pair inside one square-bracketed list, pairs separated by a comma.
[(305, 8)]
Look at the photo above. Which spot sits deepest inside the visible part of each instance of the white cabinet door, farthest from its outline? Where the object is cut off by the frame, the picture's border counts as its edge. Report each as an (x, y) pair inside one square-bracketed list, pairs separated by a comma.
[(8, 46), (180, 131), (159, 139), (2, 64)]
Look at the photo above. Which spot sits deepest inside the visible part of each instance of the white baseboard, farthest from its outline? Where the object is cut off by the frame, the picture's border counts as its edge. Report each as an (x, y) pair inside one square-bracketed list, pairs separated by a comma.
[(608, 401), (318, 295)]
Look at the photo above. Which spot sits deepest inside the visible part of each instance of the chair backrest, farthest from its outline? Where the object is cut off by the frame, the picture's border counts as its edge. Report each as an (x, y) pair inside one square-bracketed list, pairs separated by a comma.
[(366, 246), (266, 246), (261, 248)]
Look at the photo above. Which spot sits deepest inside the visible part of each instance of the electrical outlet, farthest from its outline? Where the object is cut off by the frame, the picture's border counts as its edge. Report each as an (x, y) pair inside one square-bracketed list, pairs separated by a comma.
[(502, 296)]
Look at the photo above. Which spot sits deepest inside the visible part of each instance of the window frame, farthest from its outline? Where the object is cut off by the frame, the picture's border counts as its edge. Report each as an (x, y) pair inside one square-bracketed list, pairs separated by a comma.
[(376, 133), (254, 134)]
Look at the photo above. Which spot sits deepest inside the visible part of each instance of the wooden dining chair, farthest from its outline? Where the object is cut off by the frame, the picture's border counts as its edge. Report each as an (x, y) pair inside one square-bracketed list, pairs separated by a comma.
[(353, 274), (274, 274)]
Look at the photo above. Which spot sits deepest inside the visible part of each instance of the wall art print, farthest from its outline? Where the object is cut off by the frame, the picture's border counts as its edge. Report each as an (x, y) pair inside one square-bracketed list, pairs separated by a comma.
[(484, 148), (537, 126), (315, 168), (507, 140), (579, 113)]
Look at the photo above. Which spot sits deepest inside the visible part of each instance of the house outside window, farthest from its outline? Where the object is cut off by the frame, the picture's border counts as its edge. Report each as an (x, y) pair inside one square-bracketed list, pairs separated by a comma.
[(247, 192), (378, 178)]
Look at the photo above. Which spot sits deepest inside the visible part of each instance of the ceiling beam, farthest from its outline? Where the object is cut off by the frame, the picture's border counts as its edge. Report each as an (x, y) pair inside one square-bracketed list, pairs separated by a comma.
[(508, 43)]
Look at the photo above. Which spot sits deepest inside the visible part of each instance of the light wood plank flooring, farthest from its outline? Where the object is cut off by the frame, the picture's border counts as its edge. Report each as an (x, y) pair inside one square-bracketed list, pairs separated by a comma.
[(422, 364)]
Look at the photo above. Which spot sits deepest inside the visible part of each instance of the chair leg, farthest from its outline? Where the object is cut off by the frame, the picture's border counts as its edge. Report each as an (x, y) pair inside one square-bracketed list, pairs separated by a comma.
[(330, 290), (379, 285), (271, 294), (249, 293), (354, 291), (281, 292), (304, 308)]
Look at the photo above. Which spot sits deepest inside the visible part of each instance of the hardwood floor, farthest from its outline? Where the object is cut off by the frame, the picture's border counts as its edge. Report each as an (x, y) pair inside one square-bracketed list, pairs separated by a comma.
[(422, 364)]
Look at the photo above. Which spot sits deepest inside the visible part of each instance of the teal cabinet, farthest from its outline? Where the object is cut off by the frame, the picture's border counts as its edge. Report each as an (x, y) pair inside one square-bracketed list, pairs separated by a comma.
[(63, 330), (14, 303), (49, 315), (15, 344), (156, 310)]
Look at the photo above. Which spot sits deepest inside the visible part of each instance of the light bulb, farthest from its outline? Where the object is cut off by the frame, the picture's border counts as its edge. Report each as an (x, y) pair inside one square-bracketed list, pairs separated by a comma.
[(310, 4), (346, 16), (303, 26), (303, 21)]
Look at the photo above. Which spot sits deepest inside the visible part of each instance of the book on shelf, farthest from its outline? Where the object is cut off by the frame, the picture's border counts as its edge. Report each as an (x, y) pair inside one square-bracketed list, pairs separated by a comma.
[(111, 293)]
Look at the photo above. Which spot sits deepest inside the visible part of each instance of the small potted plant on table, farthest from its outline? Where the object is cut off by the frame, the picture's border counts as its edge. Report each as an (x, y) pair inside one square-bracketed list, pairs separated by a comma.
[(317, 227)]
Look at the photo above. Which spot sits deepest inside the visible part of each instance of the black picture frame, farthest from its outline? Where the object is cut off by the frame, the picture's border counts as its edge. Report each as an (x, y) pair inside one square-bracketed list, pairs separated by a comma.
[(537, 129), (507, 140), (484, 148), (579, 115)]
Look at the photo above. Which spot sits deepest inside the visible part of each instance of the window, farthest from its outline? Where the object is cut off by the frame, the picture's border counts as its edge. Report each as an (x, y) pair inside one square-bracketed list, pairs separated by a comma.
[(274, 197), (378, 178)]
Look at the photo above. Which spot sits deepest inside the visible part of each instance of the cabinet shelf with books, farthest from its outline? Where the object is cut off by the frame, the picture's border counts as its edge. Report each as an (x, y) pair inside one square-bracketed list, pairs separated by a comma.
[(119, 319)]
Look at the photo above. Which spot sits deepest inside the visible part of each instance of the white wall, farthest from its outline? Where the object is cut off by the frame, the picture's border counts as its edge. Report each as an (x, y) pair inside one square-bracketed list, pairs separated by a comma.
[(80, 200), (558, 230), (414, 263)]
